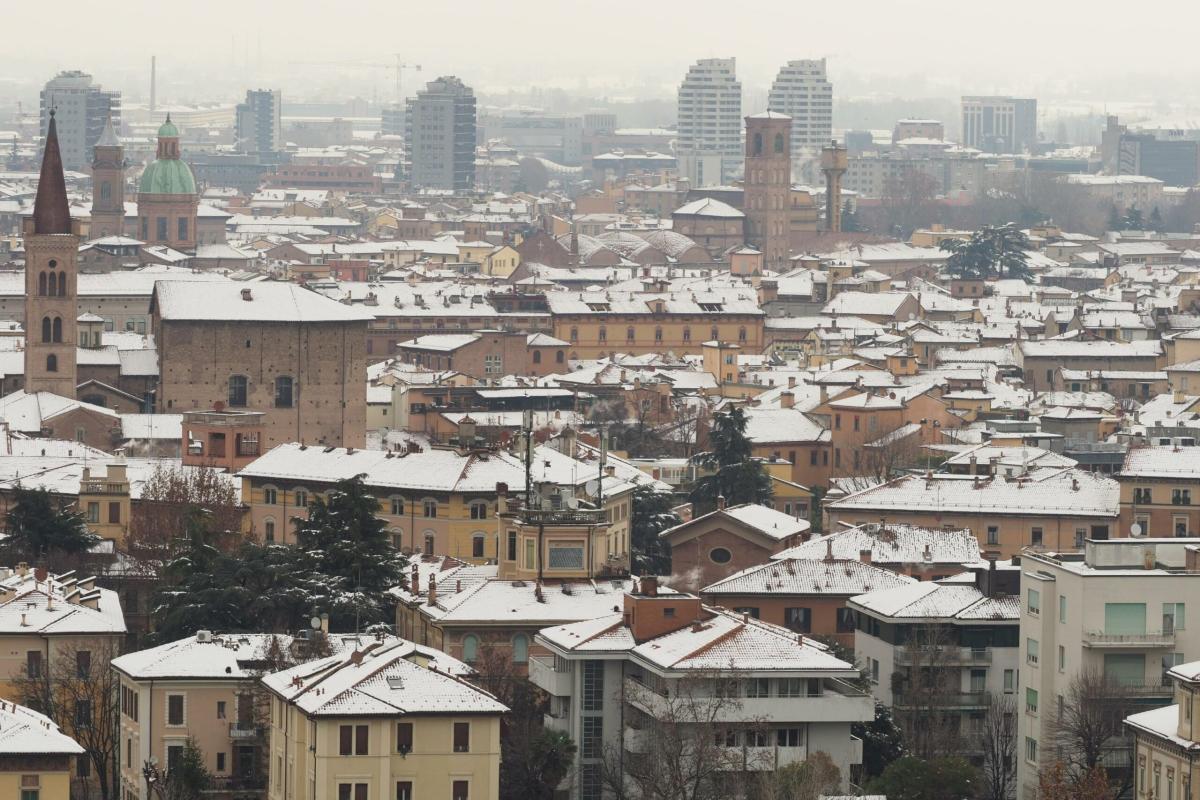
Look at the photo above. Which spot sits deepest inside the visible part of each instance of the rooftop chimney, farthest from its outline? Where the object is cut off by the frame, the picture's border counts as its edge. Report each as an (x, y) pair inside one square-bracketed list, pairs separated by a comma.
[(246, 295), (720, 501), (432, 598), (864, 556)]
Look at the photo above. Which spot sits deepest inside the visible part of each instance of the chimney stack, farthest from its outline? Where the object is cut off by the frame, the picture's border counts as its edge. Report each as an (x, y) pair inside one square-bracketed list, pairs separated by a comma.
[(720, 502), (864, 556), (432, 598), (649, 585)]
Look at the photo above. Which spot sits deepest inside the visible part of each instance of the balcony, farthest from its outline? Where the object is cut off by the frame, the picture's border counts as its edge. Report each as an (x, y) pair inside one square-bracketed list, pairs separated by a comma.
[(563, 516), (244, 730), (556, 722), (961, 700), (958, 655), (543, 675), (849, 706), (1129, 641)]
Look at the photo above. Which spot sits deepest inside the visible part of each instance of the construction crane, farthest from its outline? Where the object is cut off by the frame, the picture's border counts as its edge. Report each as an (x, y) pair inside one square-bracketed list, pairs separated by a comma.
[(399, 67)]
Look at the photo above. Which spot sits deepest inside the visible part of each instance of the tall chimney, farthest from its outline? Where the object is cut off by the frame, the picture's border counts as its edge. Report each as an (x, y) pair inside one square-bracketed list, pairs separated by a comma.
[(432, 598)]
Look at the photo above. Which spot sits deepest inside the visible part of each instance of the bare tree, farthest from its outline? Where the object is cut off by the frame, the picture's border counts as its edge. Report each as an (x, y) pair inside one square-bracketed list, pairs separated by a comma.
[(686, 746), (1087, 730), (809, 779), (926, 691), (885, 457), (78, 691), (998, 738), (159, 516)]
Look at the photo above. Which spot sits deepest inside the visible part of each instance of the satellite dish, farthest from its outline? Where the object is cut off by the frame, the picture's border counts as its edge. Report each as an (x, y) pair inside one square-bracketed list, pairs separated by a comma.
[(592, 487), (572, 503), (315, 622), (1135, 530)]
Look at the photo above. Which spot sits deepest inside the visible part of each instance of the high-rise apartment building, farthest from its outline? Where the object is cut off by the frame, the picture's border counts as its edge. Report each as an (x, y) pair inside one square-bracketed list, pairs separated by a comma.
[(259, 122), (710, 121), (999, 124), (803, 92), (440, 136), (82, 108)]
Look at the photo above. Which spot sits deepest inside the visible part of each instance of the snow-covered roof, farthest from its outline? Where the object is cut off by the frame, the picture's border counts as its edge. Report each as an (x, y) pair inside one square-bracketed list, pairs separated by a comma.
[(430, 469), (890, 544), (794, 576), (230, 656), (1162, 722), (1068, 492), (782, 425), (708, 207), (385, 677), (939, 600), (1180, 463), (41, 607), (25, 732), (258, 302)]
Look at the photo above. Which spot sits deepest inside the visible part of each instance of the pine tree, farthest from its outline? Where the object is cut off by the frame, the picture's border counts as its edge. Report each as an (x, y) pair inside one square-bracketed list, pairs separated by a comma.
[(38, 527), (1156, 220), (1114, 219), (189, 778), (737, 476), (652, 515), (1133, 220), (348, 556)]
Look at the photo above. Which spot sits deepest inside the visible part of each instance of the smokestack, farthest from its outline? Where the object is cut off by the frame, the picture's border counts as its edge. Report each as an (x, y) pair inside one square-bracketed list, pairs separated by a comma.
[(153, 82)]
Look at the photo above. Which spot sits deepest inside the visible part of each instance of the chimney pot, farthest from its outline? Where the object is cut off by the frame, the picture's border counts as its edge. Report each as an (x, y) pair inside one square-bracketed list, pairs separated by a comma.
[(720, 501), (864, 556)]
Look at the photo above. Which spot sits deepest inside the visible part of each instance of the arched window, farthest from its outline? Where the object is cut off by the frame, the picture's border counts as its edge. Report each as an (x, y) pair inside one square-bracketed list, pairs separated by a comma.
[(470, 648), (62, 284), (51, 363), (758, 144), (58, 329), (629, 334), (283, 391), (520, 648), (41, 290), (46, 329), (558, 357), (428, 543), (53, 287), (237, 390), (477, 545), (779, 143), (537, 356), (269, 529)]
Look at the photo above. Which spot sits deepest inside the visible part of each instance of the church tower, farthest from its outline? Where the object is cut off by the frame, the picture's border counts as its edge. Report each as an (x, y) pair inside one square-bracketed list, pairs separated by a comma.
[(167, 199), (51, 255), (768, 185), (108, 185)]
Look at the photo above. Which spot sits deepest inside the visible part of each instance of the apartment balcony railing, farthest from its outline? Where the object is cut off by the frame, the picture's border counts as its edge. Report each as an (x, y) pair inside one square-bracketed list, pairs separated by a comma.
[(543, 675), (1129, 641), (961, 655), (244, 730), (963, 700)]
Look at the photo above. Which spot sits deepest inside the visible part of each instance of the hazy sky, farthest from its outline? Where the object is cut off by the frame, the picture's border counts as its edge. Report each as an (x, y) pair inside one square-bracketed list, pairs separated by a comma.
[(1144, 51)]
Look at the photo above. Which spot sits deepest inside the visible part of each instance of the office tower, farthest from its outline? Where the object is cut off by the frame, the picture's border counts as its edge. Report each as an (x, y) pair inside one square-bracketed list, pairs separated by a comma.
[(82, 110), (768, 185), (999, 124), (803, 92), (709, 144), (259, 122), (440, 136)]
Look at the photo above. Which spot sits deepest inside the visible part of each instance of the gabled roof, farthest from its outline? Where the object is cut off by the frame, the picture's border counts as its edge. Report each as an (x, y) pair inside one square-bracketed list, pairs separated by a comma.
[(25, 732), (805, 576), (750, 517)]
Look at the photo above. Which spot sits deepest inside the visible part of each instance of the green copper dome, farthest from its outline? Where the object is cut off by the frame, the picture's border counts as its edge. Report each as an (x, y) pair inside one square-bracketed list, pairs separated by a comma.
[(168, 128), (167, 176)]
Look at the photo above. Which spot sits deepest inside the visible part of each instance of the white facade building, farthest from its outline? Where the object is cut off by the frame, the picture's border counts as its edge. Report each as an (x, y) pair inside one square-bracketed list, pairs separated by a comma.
[(618, 682), (710, 121), (802, 91)]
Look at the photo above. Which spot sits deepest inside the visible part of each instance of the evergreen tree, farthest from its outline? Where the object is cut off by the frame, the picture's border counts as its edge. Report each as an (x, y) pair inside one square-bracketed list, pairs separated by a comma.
[(1115, 222), (850, 220), (1156, 220), (652, 515), (348, 556), (196, 593), (882, 742), (1133, 220), (39, 527), (189, 778), (991, 251), (737, 476), (910, 778)]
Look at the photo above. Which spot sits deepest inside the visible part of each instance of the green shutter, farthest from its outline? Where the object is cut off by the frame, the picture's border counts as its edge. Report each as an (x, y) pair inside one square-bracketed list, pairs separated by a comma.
[(1125, 619)]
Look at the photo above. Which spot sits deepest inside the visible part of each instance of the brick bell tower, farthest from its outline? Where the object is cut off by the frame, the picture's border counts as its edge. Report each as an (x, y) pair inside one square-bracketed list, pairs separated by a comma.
[(51, 254), (108, 185), (767, 185)]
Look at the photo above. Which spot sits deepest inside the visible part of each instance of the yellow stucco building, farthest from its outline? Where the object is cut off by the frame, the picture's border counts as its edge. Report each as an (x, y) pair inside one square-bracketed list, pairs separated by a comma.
[(386, 720)]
